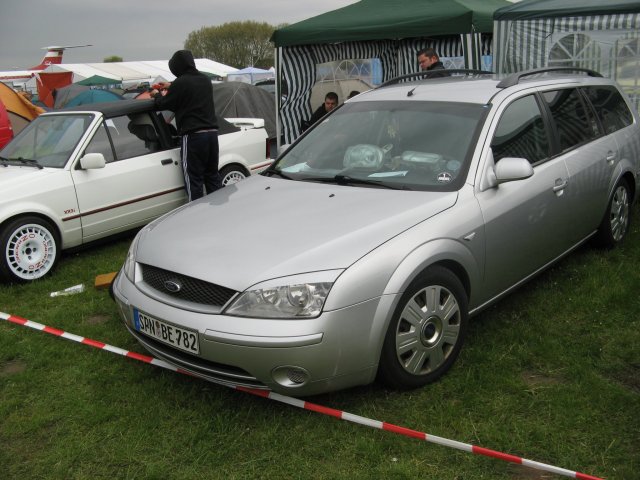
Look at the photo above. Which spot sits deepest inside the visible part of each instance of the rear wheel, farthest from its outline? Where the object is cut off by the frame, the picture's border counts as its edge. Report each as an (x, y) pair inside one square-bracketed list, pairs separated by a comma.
[(232, 174), (615, 223), (426, 332), (29, 249)]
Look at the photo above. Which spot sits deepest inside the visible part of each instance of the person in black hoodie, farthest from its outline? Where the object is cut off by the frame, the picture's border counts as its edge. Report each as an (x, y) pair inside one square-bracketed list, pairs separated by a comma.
[(430, 62), (190, 97)]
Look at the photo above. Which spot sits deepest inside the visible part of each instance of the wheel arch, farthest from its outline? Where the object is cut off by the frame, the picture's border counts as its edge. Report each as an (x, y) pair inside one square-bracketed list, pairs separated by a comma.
[(48, 219), (631, 183), (447, 253)]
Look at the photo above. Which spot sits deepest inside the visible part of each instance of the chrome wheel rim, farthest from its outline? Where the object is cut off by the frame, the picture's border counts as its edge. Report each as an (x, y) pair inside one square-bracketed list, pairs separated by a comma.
[(234, 176), (428, 330), (619, 213), (30, 252)]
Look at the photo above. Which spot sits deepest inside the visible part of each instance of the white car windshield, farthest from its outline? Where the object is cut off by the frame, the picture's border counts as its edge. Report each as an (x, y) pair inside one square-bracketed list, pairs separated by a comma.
[(47, 141), (403, 145)]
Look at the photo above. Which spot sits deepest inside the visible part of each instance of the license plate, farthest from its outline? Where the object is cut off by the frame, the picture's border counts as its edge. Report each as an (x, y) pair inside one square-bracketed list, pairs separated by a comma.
[(180, 338)]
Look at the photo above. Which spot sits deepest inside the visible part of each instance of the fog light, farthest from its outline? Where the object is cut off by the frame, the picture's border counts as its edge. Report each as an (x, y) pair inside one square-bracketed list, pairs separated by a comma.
[(290, 376)]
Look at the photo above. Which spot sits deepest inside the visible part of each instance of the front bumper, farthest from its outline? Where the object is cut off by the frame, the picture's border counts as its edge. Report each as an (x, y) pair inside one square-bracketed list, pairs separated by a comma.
[(337, 350)]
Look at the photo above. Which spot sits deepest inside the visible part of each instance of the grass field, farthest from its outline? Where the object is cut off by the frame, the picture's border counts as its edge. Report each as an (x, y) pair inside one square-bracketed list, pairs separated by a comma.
[(551, 374)]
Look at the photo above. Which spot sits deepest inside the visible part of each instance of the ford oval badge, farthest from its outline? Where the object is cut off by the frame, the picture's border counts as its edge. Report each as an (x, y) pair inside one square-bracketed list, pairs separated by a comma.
[(172, 286)]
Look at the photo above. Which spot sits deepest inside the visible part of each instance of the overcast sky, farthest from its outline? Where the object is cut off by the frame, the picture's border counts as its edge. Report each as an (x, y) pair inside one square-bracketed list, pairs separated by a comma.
[(133, 30)]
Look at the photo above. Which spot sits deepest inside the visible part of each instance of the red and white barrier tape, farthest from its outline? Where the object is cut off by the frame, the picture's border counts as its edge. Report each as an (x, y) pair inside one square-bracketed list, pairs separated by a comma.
[(465, 447)]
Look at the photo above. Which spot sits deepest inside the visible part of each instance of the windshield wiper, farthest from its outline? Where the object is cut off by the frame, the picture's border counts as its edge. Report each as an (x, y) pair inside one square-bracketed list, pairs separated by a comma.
[(3, 161), (342, 179), (27, 161)]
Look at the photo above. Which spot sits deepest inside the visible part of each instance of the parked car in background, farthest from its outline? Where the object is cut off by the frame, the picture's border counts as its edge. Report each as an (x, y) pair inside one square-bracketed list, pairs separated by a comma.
[(383, 229), (78, 175)]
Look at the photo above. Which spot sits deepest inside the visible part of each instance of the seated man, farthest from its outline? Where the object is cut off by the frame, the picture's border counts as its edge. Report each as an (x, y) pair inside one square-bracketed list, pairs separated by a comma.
[(330, 102)]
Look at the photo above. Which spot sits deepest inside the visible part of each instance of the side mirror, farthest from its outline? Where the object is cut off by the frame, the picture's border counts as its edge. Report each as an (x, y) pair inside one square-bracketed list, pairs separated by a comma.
[(92, 161), (510, 169)]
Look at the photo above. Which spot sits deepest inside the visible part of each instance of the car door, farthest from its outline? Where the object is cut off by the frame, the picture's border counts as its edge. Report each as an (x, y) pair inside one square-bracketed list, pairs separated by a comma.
[(140, 181), (590, 156), (526, 221)]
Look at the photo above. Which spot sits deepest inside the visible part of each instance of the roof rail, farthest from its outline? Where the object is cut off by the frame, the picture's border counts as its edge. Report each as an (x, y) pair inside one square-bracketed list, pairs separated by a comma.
[(514, 79), (434, 73)]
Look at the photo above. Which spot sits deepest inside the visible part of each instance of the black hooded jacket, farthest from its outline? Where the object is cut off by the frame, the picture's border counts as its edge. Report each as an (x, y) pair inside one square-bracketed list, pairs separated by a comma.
[(190, 95)]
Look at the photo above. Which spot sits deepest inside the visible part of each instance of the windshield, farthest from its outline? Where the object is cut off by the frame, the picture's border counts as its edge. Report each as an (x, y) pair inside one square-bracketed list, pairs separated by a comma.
[(404, 145), (49, 140)]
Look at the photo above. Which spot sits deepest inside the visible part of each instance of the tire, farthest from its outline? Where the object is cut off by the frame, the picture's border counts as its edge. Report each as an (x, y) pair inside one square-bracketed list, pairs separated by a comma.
[(30, 249), (615, 223), (426, 332), (232, 174)]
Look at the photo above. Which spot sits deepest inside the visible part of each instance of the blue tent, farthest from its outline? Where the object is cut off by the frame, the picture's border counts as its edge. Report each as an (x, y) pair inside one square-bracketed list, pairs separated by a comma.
[(93, 96)]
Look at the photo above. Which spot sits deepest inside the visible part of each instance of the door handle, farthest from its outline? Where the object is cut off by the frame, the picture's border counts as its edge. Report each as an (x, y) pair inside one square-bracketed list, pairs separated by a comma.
[(166, 161), (611, 156), (560, 185)]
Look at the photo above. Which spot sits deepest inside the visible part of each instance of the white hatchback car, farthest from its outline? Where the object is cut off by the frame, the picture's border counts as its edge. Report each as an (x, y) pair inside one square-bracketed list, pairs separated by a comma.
[(78, 175), (382, 230)]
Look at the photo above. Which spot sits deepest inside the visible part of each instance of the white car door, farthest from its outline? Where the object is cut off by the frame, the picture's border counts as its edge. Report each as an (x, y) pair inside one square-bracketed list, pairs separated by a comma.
[(139, 182)]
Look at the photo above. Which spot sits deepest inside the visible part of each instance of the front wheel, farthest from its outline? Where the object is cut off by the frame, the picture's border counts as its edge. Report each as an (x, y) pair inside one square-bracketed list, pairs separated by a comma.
[(29, 249), (232, 174), (426, 332), (615, 223)]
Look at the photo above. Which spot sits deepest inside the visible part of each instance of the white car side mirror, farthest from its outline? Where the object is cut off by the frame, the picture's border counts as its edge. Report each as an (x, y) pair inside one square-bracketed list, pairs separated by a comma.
[(92, 161)]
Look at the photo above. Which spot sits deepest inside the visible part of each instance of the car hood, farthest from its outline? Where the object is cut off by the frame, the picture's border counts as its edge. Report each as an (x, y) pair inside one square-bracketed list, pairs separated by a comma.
[(16, 178), (263, 228)]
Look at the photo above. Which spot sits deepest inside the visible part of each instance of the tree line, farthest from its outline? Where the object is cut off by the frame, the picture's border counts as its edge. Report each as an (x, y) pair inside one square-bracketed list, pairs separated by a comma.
[(237, 44)]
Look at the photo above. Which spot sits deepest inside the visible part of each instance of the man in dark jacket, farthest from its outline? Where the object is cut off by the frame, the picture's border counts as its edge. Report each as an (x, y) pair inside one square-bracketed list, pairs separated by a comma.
[(430, 62), (330, 102), (190, 97)]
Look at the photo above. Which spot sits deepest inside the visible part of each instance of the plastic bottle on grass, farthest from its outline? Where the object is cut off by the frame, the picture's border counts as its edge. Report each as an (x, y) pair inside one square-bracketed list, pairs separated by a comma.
[(68, 291)]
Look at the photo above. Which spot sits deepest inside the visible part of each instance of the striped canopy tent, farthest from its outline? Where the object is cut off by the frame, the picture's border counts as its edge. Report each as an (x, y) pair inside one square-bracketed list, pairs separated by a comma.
[(602, 36), (389, 31)]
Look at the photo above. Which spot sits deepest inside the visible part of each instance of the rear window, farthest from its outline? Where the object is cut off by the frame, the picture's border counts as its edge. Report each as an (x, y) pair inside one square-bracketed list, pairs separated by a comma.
[(573, 123), (610, 107)]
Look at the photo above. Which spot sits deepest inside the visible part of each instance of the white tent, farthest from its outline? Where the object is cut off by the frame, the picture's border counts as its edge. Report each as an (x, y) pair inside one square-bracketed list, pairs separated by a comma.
[(135, 72)]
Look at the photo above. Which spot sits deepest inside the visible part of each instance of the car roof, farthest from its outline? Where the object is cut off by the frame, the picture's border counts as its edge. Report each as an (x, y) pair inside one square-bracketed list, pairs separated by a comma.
[(476, 88), (114, 109)]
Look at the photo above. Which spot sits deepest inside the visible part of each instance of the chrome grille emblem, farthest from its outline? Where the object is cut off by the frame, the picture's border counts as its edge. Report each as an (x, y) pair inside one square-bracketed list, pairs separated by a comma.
[(172, 286)]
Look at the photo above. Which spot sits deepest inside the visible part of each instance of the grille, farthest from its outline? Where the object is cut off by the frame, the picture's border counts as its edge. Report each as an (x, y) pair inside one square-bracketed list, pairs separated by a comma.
[(192, 289)]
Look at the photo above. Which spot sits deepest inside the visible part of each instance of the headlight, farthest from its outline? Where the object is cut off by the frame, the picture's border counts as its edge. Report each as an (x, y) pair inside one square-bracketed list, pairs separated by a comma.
[(129, 266), (285, 301)]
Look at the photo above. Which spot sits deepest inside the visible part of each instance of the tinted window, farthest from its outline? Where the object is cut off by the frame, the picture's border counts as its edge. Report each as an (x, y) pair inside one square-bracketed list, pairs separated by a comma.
[(521, 132), (573, 124), (610, 107)]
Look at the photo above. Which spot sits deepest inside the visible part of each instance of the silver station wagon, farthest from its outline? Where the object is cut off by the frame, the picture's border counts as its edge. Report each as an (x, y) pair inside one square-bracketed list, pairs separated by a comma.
[(362, 252)]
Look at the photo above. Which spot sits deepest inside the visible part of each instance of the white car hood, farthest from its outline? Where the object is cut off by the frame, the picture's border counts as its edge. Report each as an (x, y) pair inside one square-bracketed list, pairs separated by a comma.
[(15, 177), (263, 228), (18, 182)]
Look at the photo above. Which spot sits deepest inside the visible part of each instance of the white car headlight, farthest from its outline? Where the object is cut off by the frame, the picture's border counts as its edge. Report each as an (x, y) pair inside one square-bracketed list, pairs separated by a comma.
[(285, 301), (129, 266)]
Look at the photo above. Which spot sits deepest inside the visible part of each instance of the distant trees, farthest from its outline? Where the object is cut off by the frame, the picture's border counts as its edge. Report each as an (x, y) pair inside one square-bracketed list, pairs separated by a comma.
[(112, 59), (238, 44)]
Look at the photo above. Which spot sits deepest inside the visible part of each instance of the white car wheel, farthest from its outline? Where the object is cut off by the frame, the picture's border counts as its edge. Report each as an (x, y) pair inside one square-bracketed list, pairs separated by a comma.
[(232, 174), (29, 249)]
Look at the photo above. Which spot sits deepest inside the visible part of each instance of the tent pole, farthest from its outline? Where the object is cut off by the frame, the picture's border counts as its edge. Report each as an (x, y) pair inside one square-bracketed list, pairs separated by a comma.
[(278, 96)]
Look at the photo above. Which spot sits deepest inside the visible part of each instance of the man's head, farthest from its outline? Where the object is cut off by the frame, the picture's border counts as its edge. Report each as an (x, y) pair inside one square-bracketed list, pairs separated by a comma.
[(181, 62), (330, 101), (427, 57)]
